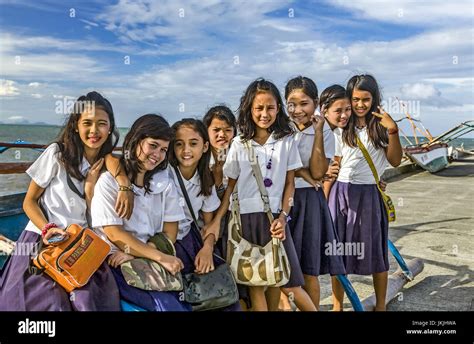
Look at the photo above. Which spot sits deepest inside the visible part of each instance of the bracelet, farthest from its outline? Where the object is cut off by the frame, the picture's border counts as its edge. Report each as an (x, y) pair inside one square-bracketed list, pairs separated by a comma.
[(46, 228), (125, 188), (393, 131), (287, 216)]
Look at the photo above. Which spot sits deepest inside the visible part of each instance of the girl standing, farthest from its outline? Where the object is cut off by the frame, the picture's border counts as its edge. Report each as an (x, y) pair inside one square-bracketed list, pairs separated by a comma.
[(190, 155), (263, 122), (335, 106), (156, 209), (51, 204), (221, 127), (355, 203), (220, 123), (311, 224)]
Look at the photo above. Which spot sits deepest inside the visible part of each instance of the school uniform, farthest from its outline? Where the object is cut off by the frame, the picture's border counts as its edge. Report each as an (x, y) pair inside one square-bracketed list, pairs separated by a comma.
[(357, 207), (284, 157), (188, 244), (189, 241), (150, 211), (21, 291), (311, 224)]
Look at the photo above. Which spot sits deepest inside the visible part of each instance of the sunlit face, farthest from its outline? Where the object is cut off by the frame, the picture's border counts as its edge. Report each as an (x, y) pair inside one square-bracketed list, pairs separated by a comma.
[(300, 107), (93, 127), (189, 147), (361, 102), (151, 152), (338, 113), (264, 110), (220, 134)]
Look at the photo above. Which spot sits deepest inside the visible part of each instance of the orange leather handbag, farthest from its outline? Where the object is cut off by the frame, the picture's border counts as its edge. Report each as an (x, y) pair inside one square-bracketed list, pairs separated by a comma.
[(72, 262)]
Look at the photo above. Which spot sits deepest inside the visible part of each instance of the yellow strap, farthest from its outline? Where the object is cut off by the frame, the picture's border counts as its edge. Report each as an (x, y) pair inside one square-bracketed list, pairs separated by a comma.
[(371, 163)]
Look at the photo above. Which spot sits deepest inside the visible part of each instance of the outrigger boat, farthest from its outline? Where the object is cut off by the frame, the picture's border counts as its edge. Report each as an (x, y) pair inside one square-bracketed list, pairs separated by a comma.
[(13, 221), (433, 153)]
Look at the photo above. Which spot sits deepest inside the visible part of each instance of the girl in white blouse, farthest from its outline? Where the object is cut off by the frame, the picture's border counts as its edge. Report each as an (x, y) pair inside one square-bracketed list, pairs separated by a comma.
[(355, 202), (62, 184), (156, 209)]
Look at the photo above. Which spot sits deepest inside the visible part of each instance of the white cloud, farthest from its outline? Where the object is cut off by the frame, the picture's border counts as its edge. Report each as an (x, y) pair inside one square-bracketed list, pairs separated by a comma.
[(419, 91), (16, 44), (428, 13), (89, 23), (47, 66), (37, 95), (8, 88), (34, 84), (16, 119)]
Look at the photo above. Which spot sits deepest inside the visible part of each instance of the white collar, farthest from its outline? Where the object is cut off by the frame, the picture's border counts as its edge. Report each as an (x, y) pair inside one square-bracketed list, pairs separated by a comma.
[(193, 180), (271, 140), (159, 182), (85, 166)]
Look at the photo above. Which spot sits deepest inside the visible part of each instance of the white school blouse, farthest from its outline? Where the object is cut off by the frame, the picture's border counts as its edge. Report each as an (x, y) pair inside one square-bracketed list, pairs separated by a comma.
[(150, 210), (285, 157), (354, 168), (61, 205), (304, 140), (199, 203)]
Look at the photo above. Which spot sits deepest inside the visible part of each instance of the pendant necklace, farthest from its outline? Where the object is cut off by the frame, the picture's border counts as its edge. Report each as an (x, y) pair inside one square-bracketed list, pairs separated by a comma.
[(267, 180)]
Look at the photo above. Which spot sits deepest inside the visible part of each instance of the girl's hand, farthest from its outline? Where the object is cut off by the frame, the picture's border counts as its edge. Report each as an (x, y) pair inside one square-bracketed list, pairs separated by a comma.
[(385, 120), (318, 122), (124, 204), (333, 170), (204, 262), (315, 183), (172, 264), (52, 232), (383, 185), (94, 172), (119, 257), (277, 228)]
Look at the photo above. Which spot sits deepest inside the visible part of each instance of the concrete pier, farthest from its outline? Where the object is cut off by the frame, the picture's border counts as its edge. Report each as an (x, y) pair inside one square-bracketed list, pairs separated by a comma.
[(435, 222)]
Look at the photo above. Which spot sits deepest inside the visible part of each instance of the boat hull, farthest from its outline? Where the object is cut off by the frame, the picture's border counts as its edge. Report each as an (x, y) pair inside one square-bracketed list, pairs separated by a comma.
[(433, 158)]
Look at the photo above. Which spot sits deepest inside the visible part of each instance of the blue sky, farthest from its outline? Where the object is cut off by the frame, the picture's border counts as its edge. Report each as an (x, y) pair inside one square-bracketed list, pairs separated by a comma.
[(187, 56)]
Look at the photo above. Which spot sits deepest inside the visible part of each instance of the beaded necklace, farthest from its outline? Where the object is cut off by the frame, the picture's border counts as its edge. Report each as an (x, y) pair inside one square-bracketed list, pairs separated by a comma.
[(267, 180)]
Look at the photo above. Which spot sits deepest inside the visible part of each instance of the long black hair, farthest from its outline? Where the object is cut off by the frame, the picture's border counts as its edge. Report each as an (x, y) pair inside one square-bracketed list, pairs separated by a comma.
[(147, 126), (376, 132), (280, 128), (205, 175), (69, 141)]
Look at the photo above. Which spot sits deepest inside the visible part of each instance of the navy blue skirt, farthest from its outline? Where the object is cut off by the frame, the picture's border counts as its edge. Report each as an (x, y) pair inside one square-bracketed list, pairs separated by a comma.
[(313, 233), (362, 226), (22, 291)]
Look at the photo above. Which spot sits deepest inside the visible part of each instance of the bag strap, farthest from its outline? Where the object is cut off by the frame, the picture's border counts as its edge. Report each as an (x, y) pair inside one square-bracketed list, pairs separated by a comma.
[(367, 157), (258, 176), (73, 187), (190, 207)]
